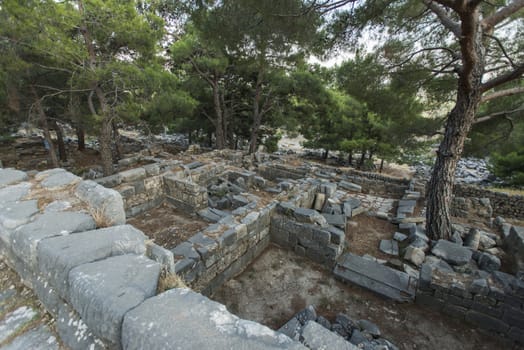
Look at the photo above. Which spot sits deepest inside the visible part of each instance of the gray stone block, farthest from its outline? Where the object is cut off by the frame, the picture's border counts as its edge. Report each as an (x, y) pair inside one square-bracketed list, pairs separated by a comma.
[(350, 186), (132, 175), (14, 193), (335, 220), (488, 262), (316, 337), (103, 292), (106, 201), (185, 250), (59, 255), (109, 181), (74, 333), (389, 247), (438, 264), (486, 322), (10, 176), (39, 338), (399, 237), (51, 224), (162, 256), (369, 327), (452, 252), (414, 255), (14, 214), (292, 329), (151, 325), (15, 320), (59, 180)]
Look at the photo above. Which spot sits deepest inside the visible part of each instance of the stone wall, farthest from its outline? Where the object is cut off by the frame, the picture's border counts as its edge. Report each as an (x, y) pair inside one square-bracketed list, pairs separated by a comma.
[(493, 301), (185, 195), (98, 282), (377, 183), (275, 171), (471, 208), (505, 205)]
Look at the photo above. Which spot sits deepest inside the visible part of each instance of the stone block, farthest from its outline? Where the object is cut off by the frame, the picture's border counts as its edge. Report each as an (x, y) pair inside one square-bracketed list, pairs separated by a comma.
[(414, 255), (350, 186), (488, 262), (107, 202), (316, 337), (74, 333), (162, 256), (389, 247), (27, 237), (486, 322), (103, 292), (133, 175), (14, 214), (336, 220), (152, 326), (10, 176), (14, 193), (452, 252)]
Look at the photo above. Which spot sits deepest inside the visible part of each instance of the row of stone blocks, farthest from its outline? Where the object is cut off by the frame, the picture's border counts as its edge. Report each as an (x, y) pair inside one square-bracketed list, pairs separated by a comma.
[(99, 284), (492, 301)]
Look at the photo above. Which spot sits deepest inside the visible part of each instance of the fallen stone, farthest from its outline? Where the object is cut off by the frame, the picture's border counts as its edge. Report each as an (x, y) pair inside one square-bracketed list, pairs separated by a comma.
[(15, 320), (335, 220), (399, 237), (479, 286), (350, 186), (10, 176), (438, 264), (358, 339), (328, 188), (369, 327), (472, 239), (452, 252), (323, 322), (414, 255), (488, 262), (380, 279), (320, 199), (151, 325), (456, 238), (486, 242), (389, 247), (308, 314), (291, 329), (316, 337), (39, 338), (107, 202), (103, 292)]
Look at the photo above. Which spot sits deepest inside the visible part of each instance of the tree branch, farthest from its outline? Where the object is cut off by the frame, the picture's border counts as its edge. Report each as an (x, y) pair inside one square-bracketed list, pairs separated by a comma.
[(502, 48), (490, 22), (497, 115), (502, 93), (503, 78), (443, 16)]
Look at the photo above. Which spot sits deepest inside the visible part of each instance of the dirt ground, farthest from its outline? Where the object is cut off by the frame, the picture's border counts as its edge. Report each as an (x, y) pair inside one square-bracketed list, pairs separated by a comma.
[(365, 237), (167, 226), (280, 283)]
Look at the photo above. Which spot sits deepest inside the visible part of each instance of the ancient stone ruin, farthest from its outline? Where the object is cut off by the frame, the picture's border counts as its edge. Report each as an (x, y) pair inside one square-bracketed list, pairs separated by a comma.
[(113, 277)]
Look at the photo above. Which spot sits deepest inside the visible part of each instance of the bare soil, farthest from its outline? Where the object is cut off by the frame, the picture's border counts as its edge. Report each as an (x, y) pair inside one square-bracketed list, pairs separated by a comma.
[(366, 236), (279, 284), (167, 226)]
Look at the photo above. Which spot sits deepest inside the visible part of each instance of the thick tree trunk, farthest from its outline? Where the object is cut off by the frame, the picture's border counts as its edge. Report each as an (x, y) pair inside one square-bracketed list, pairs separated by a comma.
[(219, 126), (381, 165), (60, 140), (255, 127), (350, 158), (118, 144), (53, 160), (104, 140), (325, 154), (81, 135), (460, 119), (362, 158)]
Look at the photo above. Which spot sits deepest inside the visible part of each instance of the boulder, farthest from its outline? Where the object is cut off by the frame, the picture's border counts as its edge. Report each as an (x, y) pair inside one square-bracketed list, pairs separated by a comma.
[(414, 255), (488, 262), (452, 252)]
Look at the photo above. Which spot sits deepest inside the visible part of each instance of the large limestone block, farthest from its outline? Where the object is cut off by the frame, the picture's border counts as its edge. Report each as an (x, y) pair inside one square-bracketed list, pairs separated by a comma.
[(452, 253), (317, 337), (103, 292), (59, 255), (183, 319), (107, 203), (10, 176), (26, 238)]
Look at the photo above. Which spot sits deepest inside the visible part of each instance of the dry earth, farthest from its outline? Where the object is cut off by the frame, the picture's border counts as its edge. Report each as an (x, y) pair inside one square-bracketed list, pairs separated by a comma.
[(280, 283)]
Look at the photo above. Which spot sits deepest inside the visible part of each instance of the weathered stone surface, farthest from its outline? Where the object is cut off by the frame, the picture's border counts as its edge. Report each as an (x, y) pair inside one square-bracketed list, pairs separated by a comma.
[(13, 321), (414, 255), (59, 255), (14, 193), (106, 201), (389, 246), (39, 338), (350, 186), (161, 255), (74, 332), (438, 264), (486, 242), (309, 216), (316, 337), (452, 252), (399, 237), (10, 176), (369, 327), (488, 262), (103, 292), (515, 245), (27, 237), (375, 277), (133, 174), (335, 220), (472, 239), (199, 324), (14, 214), (320, 199), (59, 180), (291, 329)]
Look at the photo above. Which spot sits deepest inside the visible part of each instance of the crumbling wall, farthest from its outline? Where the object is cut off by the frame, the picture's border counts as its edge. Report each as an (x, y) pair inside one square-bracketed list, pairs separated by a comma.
[(471, 208), (505, 205), (494, 301), (185, 195)]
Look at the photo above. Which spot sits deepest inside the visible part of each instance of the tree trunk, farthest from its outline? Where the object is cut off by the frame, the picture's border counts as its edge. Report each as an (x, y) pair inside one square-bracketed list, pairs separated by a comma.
[(253, 139), (350, 158), (219, 126), (104, 140), (45, 127), (117, 140), (381, 166), (81, 135), (362, 158), (325, 154), (459, 122), (60, 139)]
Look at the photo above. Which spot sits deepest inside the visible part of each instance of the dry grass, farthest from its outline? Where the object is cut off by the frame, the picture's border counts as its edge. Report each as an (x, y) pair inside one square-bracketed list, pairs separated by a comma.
[(101, 219), (510, 191), (168, 281)]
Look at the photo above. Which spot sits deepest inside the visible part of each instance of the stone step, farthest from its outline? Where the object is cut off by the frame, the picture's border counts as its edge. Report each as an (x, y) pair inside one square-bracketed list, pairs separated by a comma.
[(380, 279)]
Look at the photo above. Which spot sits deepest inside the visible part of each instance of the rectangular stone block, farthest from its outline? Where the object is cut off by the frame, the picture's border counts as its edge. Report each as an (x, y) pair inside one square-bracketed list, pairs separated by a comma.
[(486, 322)]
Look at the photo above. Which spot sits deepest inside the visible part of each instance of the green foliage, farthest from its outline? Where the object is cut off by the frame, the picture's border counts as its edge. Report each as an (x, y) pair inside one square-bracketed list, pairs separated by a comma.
[(509, 167)]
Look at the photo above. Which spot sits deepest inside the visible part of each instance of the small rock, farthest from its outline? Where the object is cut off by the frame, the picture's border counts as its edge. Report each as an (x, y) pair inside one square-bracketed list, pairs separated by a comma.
[(414, 255), (486, 242), (472, 239), (369, 327), (488, 262), (389, 247), (399, 237)]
